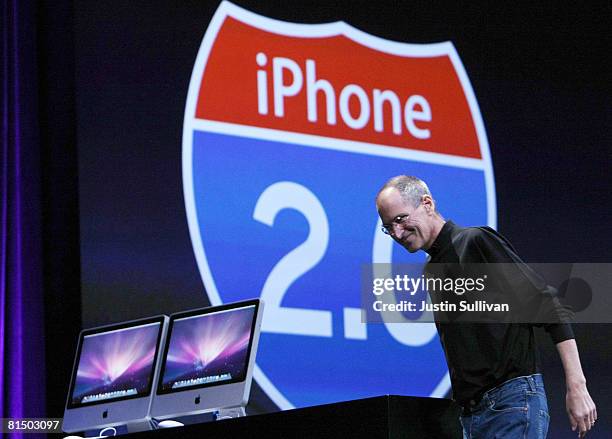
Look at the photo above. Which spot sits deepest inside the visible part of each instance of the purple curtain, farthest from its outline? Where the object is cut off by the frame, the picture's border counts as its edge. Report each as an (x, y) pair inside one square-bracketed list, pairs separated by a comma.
[(22, 362)]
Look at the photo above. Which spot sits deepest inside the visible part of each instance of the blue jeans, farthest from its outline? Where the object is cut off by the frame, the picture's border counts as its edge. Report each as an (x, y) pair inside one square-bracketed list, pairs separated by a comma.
[(516, 409)]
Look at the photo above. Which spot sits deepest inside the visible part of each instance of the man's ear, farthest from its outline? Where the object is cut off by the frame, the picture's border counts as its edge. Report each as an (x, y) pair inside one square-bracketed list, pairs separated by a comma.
[(428, 203)]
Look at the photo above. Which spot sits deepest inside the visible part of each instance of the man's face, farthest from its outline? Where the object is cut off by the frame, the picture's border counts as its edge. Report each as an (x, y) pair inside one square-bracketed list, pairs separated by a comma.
[(413, 232)]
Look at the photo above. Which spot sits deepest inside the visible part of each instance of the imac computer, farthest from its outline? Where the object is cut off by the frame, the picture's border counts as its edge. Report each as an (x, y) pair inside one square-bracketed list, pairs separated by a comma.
[(208, 361), (114, 376)]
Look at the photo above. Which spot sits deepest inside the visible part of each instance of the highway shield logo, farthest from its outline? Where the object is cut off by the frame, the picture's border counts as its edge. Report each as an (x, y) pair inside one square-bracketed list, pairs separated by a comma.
[(289, 132)]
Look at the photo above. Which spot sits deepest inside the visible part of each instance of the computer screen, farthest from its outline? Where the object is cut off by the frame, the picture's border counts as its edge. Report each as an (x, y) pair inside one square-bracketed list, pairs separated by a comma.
[(208, 359), (208, 349), (116, 364), (113, 375)]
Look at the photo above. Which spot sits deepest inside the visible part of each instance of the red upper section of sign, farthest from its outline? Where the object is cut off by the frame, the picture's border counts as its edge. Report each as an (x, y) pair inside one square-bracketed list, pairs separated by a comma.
[(229, 90)]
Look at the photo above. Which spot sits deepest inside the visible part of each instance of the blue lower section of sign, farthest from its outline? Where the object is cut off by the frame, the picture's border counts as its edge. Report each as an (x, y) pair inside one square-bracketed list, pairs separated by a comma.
[(229, 175)]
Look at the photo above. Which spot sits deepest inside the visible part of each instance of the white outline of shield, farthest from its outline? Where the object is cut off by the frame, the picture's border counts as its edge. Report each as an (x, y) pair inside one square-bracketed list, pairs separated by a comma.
[(227, 9)]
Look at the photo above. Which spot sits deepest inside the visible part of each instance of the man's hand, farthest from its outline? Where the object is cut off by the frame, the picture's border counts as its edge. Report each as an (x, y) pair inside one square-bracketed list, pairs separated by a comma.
[(580, 407)]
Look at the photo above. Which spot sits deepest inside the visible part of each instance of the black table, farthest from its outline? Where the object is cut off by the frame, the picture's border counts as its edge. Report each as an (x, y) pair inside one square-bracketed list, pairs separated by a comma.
[(386, 417)]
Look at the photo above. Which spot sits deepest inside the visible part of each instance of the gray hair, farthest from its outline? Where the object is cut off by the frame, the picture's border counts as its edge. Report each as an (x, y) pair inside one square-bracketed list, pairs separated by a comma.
[(410, 188)]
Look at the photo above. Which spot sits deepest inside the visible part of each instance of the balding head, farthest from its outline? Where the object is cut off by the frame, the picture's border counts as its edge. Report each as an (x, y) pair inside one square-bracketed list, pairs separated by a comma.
[(410, 188), (408, 212)]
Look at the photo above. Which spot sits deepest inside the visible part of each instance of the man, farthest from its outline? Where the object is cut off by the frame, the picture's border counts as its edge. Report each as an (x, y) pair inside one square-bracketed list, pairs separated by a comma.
[(493, 368)]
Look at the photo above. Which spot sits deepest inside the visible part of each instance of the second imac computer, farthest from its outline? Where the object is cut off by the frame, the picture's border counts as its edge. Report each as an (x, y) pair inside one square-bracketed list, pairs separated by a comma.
[(208, 361), (114, 375)]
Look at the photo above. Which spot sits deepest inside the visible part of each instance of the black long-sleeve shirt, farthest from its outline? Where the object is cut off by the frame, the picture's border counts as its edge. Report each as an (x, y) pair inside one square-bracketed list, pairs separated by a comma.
[(482, 356)]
